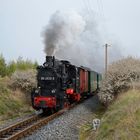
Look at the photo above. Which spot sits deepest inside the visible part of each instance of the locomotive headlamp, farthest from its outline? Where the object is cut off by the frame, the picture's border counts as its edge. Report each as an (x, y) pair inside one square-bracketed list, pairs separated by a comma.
[(36, 91), (45, 64), (53, 90)]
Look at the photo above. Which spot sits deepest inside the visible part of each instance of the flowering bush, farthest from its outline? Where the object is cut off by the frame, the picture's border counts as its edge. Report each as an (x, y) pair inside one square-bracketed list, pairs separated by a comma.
[(24, 80), (121, 76)]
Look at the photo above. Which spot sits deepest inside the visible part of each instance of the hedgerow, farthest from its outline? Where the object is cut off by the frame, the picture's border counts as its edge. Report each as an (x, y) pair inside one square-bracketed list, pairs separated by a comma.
[(121, 76), (2, 66), (24, 80), (7, 69)]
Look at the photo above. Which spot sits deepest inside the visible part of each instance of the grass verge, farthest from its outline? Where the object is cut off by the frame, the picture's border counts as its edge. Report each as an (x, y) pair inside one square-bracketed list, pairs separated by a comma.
[(121, 120), (12, 103), (86, 129)]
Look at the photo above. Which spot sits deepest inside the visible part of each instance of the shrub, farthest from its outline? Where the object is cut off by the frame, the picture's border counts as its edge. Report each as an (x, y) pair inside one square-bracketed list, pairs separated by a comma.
[(24, 80), (25, 64), (2, 66), (9, 68), (121, 76)]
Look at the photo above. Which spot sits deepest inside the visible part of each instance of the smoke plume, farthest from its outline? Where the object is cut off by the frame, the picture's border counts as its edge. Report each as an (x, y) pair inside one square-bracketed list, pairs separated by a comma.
[(62, 31), (77, 38)]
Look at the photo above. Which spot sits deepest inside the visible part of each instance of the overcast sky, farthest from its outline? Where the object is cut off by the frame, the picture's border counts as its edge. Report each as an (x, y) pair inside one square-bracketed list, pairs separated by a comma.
[(22, 21)]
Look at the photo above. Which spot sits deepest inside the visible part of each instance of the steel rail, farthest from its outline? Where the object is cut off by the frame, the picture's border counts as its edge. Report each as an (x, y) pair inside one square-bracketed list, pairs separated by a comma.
[(28, 130), (23, 128), (26, 127)]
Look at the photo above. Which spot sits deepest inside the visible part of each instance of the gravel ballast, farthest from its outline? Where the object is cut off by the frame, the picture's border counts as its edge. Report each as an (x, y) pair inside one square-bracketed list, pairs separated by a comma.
[(67, 126)]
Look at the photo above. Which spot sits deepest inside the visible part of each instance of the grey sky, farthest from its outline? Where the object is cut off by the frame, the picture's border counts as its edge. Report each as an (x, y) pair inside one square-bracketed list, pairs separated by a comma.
[(22, 21)]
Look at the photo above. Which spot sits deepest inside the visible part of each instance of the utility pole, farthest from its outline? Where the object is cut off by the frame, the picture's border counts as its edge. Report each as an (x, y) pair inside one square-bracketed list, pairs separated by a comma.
[(106, 57)]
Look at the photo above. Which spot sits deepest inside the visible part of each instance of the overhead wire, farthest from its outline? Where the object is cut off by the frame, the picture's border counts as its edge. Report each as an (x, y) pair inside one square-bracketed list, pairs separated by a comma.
[(90, 6), (100, 7), (87, 7)]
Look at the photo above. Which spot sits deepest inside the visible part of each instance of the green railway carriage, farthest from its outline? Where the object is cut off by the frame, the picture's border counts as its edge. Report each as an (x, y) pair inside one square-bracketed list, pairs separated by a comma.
[(94, 81), (99, 79)]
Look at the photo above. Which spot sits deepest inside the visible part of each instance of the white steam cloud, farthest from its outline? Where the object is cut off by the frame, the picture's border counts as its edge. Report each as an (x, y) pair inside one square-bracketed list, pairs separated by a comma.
[(78, 39)]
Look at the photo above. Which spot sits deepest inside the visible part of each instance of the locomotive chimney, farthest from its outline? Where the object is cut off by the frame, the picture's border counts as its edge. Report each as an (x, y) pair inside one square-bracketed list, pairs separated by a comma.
[(49, 61)]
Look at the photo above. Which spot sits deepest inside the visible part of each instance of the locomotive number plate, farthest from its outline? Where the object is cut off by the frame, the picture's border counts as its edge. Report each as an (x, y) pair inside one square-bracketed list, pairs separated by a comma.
[(47, 78)]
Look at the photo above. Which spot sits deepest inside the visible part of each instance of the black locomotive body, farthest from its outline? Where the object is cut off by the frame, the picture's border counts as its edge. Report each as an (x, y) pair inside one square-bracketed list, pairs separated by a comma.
[(59, 83)]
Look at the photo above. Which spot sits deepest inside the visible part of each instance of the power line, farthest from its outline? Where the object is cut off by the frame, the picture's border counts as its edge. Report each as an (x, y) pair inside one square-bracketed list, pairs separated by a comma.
[(87, 6), (100, 7), (88, 3), (91, 9)]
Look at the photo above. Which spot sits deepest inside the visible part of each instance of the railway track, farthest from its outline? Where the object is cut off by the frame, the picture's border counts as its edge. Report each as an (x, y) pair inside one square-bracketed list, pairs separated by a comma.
[(26, 127)]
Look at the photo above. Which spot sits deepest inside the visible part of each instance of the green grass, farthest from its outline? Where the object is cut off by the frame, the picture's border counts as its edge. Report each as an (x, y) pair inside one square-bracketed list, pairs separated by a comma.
[(86, 129), (12, 103), (122, 119)]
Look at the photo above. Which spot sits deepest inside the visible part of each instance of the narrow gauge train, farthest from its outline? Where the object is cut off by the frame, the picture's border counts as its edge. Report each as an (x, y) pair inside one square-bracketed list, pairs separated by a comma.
[(59, 83)]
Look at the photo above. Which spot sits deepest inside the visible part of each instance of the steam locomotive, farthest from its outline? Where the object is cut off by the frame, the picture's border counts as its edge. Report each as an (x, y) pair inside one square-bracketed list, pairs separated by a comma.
[(59, 83)]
